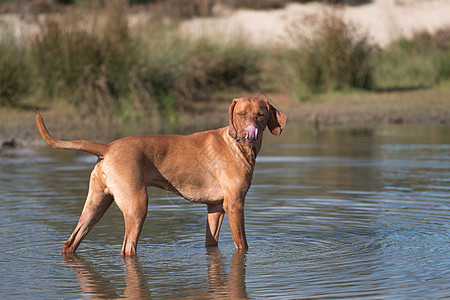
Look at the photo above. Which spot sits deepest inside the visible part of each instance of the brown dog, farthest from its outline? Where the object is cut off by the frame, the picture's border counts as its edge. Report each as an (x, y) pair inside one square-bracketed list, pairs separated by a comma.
[(214, 167)]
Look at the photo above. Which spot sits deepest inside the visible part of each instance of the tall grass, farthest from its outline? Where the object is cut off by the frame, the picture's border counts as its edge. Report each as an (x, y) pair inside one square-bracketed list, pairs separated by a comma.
[(14, 75), (337, 56), (213, 65), (152, 70), (420, 62), (101, 65), (88, 66), (175, 72), (334, 56)]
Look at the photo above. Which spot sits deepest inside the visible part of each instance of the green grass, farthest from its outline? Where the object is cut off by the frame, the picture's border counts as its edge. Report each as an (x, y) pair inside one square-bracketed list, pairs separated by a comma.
[(14, 74), (94, 63), (421, 62), (105, 68), (334, 57)]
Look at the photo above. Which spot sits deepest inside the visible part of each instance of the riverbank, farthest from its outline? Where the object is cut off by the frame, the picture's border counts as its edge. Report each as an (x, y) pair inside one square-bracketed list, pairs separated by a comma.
[(119, 59), (354, 110), (370, 109), (109, 72)]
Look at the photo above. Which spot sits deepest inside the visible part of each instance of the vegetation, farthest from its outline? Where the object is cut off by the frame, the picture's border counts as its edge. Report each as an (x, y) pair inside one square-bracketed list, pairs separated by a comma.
[(271, 4), (334, 57), (14, 77), (421, 62), (96, 63), (105, 68), (179, 8)]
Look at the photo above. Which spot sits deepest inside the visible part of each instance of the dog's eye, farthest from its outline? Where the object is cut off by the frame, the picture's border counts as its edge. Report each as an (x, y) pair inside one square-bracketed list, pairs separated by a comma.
[(260, 115)]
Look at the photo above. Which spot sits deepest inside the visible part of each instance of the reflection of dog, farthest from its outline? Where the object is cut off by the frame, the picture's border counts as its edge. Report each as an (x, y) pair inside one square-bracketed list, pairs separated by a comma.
[(93, 284), (214, 167), (224, 280)]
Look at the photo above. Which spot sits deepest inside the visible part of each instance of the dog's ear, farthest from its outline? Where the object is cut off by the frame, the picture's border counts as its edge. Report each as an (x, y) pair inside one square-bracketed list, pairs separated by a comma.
[(277, 120), (231, 128)]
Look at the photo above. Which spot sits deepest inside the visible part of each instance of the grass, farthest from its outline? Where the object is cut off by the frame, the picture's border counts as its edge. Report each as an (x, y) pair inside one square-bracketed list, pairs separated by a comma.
[(95, 68), (14, 76), (104, 68), (370, 109), (357, 111), (421, 62), (334, 56)]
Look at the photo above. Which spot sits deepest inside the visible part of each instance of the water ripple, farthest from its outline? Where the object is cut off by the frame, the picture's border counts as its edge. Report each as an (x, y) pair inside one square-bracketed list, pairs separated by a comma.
[(328, 220)]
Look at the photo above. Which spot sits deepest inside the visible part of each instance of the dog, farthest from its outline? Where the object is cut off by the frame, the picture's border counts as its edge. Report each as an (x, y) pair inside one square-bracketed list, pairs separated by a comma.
[(213, 167)]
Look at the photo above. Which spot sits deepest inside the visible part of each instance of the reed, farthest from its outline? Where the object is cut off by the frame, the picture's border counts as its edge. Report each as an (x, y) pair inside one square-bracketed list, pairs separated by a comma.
[(107, 68), (100, 64), (14, 74), (420, 62), (334, 56)]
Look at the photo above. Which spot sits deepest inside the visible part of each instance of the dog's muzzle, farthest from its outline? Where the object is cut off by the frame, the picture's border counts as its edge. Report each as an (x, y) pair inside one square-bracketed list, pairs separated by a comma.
[(251, 133)]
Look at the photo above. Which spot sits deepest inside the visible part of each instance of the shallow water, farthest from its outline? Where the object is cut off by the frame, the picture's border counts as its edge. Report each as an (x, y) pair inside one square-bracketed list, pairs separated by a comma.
[(348, 213)]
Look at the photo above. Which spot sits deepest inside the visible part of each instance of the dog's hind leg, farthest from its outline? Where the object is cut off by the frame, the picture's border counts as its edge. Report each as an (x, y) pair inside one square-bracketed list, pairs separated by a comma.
[(213, 223), (97, 203)]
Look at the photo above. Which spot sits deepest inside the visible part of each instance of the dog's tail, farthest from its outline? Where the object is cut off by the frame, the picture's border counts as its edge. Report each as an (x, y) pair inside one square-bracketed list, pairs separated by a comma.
[(86, 146)]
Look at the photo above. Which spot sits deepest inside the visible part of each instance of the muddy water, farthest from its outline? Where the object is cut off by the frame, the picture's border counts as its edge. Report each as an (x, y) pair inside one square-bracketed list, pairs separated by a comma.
[(346, 213)]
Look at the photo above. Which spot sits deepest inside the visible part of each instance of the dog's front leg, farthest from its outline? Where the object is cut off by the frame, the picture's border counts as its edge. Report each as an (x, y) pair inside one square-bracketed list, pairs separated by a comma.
[(234, 208), (134, 208), (213, 223)]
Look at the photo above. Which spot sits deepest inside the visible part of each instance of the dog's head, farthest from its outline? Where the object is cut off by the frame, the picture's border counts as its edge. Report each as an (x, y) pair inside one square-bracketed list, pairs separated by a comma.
[(249, 117)]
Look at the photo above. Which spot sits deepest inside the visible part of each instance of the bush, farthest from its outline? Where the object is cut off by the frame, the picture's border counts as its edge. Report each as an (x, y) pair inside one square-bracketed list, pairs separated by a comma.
[(209, 66), (183, 9), (154, 70), (420, 62), (333, 57), (14, 75), (252, 4), (274, 4), (84, 66)]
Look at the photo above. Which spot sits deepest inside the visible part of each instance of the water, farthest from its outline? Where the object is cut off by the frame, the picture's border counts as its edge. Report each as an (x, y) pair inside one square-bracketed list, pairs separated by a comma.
[(347, 213)]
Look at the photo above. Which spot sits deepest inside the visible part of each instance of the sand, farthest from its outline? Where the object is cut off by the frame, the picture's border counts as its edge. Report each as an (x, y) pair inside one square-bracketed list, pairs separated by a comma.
[(382, 20)]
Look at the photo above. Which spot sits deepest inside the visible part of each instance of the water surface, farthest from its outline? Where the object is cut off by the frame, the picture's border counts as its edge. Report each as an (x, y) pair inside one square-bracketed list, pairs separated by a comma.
[(346, 213)]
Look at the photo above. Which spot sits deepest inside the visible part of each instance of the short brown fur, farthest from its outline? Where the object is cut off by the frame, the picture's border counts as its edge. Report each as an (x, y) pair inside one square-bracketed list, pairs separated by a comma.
[(213, 167)]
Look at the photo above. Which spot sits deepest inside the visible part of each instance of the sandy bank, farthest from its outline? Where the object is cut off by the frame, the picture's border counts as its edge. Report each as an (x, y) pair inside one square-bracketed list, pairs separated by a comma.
[(383, 20)]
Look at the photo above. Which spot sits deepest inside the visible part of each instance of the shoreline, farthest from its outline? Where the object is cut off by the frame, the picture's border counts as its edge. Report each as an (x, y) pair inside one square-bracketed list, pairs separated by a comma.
[(356, 110)]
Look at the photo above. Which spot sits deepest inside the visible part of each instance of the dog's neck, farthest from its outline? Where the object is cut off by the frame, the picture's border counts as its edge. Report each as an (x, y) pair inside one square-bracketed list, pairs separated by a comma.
[(249, 152), (245, 151)]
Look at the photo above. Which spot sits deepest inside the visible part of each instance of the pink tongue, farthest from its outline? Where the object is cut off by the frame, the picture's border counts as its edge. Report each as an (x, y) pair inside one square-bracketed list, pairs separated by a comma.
[(252, 133)]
